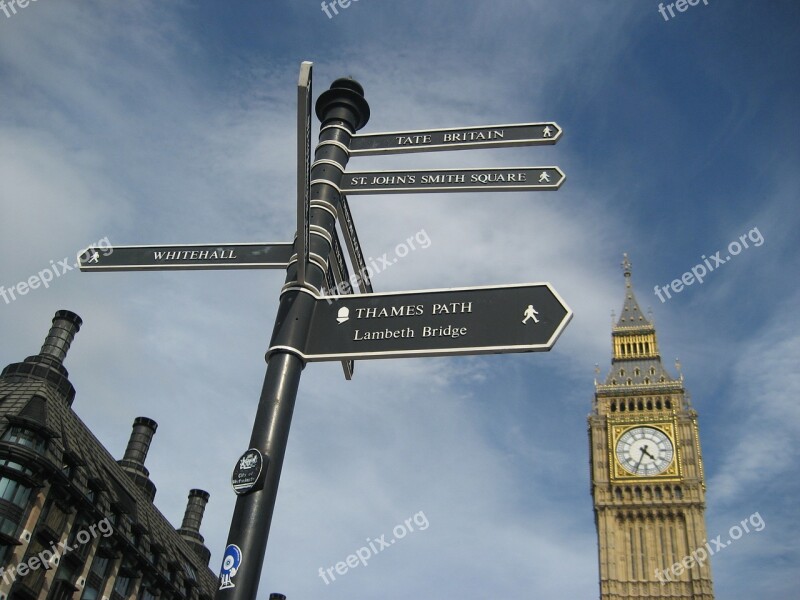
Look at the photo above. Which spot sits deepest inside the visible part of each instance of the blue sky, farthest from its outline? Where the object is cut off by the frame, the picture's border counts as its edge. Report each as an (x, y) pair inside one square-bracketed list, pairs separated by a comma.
[(155, 122)]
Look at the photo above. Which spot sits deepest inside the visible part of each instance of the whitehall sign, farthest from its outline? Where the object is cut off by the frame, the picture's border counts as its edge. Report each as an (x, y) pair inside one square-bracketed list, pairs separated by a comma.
[(187, 256)]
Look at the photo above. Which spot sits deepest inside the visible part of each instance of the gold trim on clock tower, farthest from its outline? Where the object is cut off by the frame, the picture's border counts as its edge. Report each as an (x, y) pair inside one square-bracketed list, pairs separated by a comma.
[(647, 471)]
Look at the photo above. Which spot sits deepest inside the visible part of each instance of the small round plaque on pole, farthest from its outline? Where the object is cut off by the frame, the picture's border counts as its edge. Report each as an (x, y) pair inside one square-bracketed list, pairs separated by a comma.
[(247, 472)]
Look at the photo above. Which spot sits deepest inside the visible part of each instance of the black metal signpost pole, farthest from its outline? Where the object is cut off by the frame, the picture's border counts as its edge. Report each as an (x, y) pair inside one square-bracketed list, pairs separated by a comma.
[(342, 110)]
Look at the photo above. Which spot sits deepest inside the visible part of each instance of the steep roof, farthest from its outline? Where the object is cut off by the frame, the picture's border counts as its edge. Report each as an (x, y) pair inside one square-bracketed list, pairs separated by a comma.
[(631, 315)]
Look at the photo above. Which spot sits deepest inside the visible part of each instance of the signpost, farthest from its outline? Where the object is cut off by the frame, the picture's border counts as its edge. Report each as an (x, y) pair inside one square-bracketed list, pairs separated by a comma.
[(311, 326), (186, 256), (493, 179), (461, 138), (444, 322)]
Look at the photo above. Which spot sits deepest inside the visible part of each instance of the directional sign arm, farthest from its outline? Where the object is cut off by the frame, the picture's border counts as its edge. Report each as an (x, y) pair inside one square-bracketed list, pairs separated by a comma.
[(303, 166), (440, 322), (458, 138), (186, 257), (337, 280), (491, 179), (354, 246)]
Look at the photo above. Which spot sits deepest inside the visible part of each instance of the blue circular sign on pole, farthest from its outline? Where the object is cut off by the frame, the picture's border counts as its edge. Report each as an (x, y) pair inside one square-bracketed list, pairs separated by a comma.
[(230, 566)]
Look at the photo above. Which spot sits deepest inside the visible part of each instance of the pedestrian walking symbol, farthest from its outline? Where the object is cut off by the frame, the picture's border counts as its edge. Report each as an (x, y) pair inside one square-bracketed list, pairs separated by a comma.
[(530, 313)]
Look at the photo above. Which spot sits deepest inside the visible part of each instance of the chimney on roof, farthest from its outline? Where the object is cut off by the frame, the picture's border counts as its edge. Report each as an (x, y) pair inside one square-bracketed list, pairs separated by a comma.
[(192, 518), (47, 366), (136, 453), (65, 325)]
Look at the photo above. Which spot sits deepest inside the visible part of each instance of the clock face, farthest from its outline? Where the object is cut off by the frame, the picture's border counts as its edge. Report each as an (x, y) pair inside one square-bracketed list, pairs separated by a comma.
[(644, 451)]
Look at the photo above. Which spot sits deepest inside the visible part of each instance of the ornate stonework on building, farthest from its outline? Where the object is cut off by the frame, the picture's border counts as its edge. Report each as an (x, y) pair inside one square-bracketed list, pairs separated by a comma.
[(647, 471)]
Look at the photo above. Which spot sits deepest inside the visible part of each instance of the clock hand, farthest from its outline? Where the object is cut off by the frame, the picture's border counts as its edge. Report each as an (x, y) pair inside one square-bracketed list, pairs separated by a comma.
[(644, 451), (636, 468)]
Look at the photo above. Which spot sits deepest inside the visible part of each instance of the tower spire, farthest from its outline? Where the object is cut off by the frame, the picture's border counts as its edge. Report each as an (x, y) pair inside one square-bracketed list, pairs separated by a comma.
[(634, 341), (631, 315)]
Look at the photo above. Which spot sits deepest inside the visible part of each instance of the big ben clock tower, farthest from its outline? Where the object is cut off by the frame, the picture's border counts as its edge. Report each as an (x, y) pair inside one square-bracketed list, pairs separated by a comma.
[(647, 471)]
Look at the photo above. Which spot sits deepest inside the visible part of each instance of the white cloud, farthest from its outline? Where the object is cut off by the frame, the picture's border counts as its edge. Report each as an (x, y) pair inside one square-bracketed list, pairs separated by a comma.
[(766, 385)]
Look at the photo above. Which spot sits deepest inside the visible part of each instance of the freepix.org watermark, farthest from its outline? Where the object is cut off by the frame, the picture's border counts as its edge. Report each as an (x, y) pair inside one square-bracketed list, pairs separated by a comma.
[(46, 275), (679, 5), (10, 7), (334, 6), (373, 547), (377, 265), (702, 554), (52, 555), (700, 270)]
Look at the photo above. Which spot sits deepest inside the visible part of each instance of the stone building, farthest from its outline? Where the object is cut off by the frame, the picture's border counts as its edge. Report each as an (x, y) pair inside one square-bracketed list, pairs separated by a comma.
[(75, 523)]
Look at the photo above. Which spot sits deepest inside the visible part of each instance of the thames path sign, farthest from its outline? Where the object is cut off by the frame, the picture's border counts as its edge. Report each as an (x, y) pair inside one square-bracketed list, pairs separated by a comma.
[(314, 325), (445, 322)]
